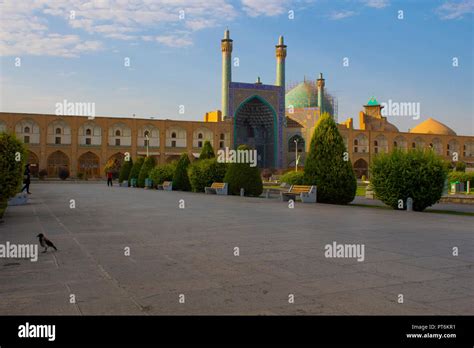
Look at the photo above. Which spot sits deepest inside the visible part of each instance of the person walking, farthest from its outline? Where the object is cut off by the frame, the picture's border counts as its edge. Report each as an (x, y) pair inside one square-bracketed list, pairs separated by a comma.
[(109, 179), (27, 179)]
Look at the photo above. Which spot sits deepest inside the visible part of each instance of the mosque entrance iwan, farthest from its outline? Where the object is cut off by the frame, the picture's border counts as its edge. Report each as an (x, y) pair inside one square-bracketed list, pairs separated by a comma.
[(254, 125)]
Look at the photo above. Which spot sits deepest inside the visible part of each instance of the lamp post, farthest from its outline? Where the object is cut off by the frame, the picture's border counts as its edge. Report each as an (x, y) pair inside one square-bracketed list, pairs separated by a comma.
[(147, 143), (296, 154)]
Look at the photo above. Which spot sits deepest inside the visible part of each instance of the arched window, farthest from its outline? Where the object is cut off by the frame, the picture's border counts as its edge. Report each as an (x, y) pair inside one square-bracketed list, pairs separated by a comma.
[(88, 131), (58, 130), (222, 136), (200, 136), (147, 133), (117, 133), (173, 135), (395, 144), (294, 141), (376, 143), (356, 142), (26, 130)]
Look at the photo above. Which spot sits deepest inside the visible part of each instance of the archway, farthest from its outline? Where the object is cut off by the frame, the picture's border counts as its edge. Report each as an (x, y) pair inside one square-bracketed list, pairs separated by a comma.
[(114, 163), (33, 161), (255, 126), (57, 161), (88, 165), (361, 167)]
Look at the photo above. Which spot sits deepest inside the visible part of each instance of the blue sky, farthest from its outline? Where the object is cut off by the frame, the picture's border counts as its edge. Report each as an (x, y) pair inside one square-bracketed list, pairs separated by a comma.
[(177, 61)]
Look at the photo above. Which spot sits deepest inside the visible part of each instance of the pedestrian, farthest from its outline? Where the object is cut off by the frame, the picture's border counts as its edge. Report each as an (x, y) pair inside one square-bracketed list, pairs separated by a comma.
[(109, 178), (27, 179)]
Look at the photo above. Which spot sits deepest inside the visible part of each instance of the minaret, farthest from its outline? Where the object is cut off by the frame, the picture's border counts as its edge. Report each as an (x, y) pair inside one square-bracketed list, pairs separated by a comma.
[(320, 84), (280, 51), (226, 48)]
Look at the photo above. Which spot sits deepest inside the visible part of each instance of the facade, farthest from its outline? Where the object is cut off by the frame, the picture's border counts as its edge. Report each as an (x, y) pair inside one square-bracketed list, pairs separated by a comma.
[(278, 125)]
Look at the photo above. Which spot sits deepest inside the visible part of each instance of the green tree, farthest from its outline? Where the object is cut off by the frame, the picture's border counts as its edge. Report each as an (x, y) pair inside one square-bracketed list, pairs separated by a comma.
[(328, 165), (147, 166), (180, 176), (135, 171), (417, 174), (204, 172), (12, 166), (242, 175), (125, 170), (162, 173), (292, 178), (207, 151)]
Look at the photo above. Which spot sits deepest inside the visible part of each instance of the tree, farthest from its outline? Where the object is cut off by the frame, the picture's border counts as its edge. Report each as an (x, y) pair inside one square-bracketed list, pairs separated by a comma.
[(207, 151), (12, 166), (180, 176), (135, 171), (328, 165), (417, 174), (203, 173), (162, 173), (144, 173), (242, 175), (125, 170)]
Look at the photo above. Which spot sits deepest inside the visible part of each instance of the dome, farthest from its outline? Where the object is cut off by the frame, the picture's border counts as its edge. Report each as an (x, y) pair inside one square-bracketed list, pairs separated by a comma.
[(303, 95), (431, 126)]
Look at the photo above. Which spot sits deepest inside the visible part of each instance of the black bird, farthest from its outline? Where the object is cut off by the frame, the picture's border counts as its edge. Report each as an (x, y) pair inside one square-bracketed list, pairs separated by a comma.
[(45, 242)]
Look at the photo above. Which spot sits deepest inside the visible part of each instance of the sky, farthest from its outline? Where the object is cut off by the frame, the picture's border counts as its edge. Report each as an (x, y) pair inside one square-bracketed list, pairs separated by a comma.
[(411, 51)]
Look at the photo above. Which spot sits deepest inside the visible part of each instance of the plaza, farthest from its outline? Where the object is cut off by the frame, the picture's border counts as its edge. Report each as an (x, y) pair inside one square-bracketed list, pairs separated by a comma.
[(229, 255)]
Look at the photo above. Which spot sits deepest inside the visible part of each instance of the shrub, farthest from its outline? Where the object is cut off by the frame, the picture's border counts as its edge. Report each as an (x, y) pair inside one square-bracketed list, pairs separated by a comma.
[(147, 166), (207, 151), (325, 165), (80, 175), (292, 178), (159, 174), (460, 166), (180, 176), (125, 170), (204, 172), (242, 175), (417, 174), (63, 173), (42, 173), (11, 170), (461, 177), (135, 171)]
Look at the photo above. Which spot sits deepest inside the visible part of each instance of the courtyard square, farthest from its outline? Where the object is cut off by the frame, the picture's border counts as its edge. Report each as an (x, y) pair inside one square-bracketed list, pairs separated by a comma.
[(229, 255)]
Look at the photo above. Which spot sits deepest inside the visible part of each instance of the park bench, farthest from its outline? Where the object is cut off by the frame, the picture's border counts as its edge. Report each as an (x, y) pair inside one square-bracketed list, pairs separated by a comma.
[(166, 185), (306, 193), (219, 188)]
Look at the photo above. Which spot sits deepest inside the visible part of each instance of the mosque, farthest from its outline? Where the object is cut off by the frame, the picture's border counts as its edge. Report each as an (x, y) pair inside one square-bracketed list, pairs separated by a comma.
[(275, 120)]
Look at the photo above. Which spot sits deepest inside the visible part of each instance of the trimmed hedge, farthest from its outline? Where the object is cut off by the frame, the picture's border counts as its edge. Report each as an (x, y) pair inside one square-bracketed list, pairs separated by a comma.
[(162, 173), (401, 174), (125, 170), (461, 177), (204, 172), (293, 178), (326, 166), (207, 151), (136, 167), (242, 175), (180, 176), (148, 164)]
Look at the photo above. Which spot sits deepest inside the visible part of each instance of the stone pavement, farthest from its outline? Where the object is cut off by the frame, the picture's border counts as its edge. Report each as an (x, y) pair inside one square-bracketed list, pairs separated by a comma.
[(190, 251)]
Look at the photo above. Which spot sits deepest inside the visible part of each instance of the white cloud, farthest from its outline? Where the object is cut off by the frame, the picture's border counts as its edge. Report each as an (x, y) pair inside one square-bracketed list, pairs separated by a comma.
[(341, 15), (174, 40), (455, 10), (376, 3), (255, 8)]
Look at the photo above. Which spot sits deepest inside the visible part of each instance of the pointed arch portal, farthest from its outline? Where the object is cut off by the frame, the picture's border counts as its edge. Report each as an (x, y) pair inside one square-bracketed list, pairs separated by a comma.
[(255, 124)]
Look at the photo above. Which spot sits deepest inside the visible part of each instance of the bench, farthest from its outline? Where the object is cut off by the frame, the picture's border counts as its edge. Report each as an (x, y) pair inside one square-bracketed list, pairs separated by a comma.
[(166, 185), (306, 193), (218, 188)]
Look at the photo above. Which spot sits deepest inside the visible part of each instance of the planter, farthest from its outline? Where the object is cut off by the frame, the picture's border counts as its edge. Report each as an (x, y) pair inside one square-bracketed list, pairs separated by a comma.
[(148, 183), (133, 182), (124, 184)]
